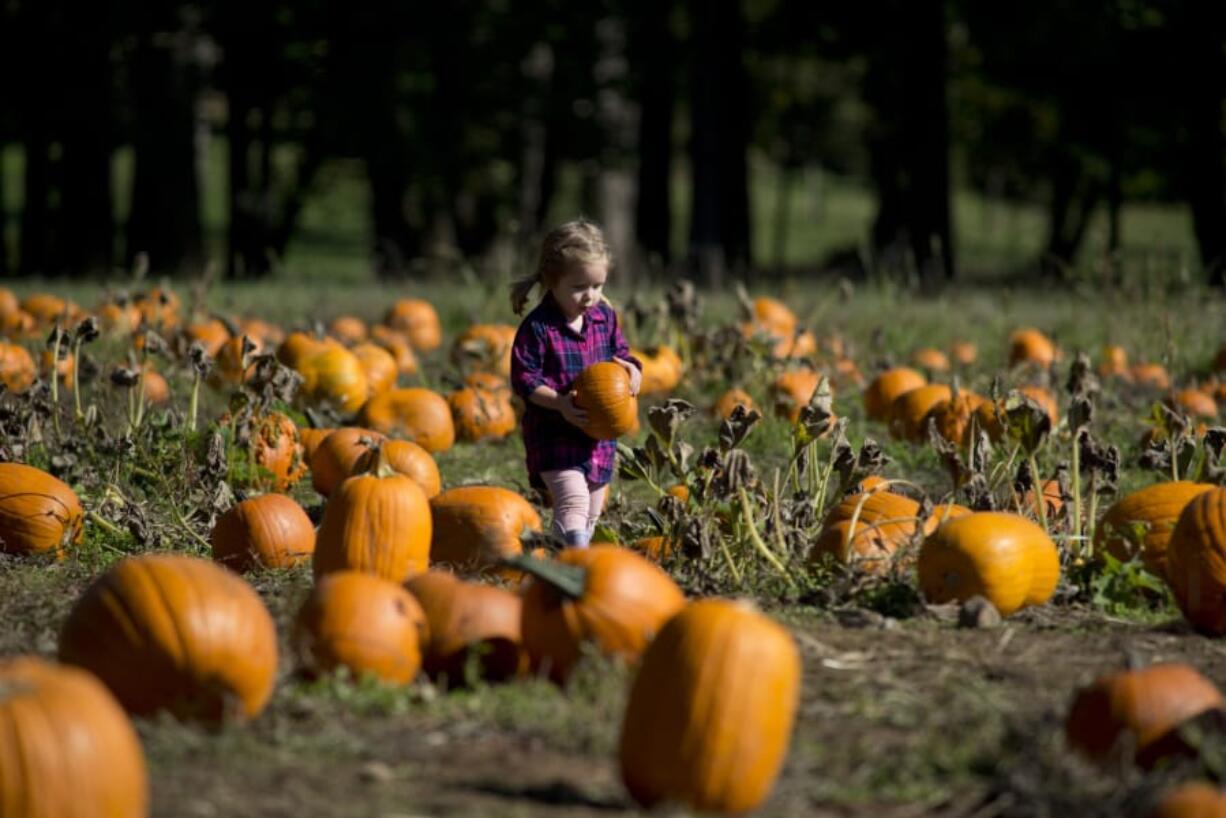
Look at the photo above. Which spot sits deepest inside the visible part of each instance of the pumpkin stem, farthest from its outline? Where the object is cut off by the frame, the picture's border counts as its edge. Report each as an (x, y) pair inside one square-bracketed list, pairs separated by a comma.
[(378, 463), (571, 580)]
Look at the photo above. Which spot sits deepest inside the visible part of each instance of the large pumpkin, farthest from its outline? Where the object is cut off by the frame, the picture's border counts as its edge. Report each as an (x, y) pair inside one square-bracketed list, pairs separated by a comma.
[(710, 712), (482, 414), (364, 623), (603, 391), (38, 512), (476, 526), (1138, 710), (414, 413), (268, 531), (177, 633), (884, 521), (67, 750), (880, 394), (605, 595), (378, 522), (408, 458), (1196, 561), (337, 454), (469, 622), (1142, 522), (1004, 557)]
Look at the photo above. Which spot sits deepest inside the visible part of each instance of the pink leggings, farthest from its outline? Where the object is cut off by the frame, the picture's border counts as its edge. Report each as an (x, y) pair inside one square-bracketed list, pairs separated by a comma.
[(575, 509)]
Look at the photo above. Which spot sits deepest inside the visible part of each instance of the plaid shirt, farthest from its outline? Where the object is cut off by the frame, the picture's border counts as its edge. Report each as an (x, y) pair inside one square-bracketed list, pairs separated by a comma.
[(547, 352)]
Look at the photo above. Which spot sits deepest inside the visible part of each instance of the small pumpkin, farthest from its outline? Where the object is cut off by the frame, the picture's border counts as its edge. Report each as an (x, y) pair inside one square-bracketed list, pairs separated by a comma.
[(603, 391), (212, 335), (469, 620), (1195, 403), (1146, 706), (413, 413), (66, 746), (268, 531), (710, 712), (484, 348), (17, 370), (379, 522), (477, 526), (1154, 510), (1005, 558), (730, 400), (662, 370), (1030, 346), (406, 457), (482, 414), (1196, 561), (1151, 375), (1114, 363), (157, 390), (792, 390), (930, 358), (175, 633), (334, 375), (775, 315), (348, 329), (379, 366), (229, 368), (953, 417), (396, 343), (418, 320), (337, 454), (38, 512), (364, 623), (963, 353), (606, 595), (886, 387), (909, 412)]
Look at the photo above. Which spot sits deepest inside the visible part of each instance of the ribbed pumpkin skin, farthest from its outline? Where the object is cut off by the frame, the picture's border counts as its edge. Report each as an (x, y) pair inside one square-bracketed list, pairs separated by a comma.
[(377, 524), (1196, 561), (909, 412), (336, 456), (603, 391), (1158, 507), (362, 622), (710, 713), (1145, 704), (409, 459), (874, 540), (476, 526), (167, 631), (463, 616), (67, 749), (310, 439), (38, 512), (269, 531), (1004, 557), (1195, 799), (417, 414), (880, 394), (482, 414), (626, 600)]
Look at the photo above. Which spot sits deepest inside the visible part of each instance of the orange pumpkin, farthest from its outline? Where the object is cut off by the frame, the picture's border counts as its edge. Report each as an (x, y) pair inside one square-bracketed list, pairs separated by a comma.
[(418, 320), (66, 746), (1006, 558), (710, 712), (334, 375), (482, 414), (405, 457), (1194, 403), (379, 522), (269, 531), (1194, 799), (364, 623), (176, 633), (159, 308), (930, 358), (396, 343), (157, 391), (277, 452), (1046, 401), (605, 595), (730, 400), (212, 334), (792, 390), (348, 329), (1196, 561), (662, 370), (1030, 346), (476, 526), (47, 308), (63, 367), (953, 417), (888, 386), (1114, 363), (484, 348), (228, 368), (1154, 509), (1053, 501), (336, 455), (469, 620), (379, 366), (774, 315), (1138, 710), (414, 413), (1151, 375), (38, 512), (884, 521), (603, 391), (963, 352), (17, 369), (262, 332), (909, 412), (310, 438)]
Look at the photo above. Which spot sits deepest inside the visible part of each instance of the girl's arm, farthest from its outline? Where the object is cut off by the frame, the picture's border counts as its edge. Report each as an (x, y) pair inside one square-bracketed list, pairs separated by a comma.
[(548, 398), (636, 374)]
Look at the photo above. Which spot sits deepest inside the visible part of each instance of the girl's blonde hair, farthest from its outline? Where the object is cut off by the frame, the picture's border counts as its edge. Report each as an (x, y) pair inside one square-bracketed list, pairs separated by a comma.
[(577, 242)]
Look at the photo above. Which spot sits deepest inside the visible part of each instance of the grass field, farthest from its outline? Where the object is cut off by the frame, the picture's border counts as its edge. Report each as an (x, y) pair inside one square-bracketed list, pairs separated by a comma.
[(902, 713)]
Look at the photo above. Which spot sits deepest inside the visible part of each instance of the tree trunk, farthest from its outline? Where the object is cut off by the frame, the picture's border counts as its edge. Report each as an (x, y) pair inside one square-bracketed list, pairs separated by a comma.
[(165, 219), (719, 227), (655, 50)]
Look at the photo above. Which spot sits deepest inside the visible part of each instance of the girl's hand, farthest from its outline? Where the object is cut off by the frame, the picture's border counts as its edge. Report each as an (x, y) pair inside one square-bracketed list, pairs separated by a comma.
[(636, 377), (572, 412)]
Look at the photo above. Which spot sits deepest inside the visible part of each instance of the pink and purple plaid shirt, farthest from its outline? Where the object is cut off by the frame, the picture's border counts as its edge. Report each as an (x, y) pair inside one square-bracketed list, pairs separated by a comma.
[(547, 352)]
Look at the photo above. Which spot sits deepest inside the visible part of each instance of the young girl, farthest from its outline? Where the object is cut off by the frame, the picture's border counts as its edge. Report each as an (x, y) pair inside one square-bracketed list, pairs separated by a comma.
[(571, 328)]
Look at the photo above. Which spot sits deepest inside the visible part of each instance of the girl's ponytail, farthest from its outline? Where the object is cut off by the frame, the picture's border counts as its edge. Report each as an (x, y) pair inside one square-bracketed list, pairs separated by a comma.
[(521, 288)]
